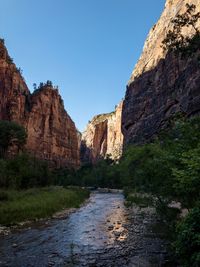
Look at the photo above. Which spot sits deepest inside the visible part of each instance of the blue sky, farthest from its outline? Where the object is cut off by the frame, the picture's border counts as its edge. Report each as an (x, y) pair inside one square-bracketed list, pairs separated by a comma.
[(86, 47)]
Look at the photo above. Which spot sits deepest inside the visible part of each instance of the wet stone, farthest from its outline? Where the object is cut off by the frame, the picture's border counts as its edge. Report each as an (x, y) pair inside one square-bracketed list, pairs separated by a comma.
[(110, 227)]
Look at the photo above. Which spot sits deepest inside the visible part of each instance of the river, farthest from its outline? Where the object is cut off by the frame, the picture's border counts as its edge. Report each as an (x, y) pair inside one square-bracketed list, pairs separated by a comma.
[(103, 232)]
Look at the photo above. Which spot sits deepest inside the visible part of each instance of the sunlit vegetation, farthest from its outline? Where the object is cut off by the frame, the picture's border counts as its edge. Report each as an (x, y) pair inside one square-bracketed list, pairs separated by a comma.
[(44, 85), (176, 41)]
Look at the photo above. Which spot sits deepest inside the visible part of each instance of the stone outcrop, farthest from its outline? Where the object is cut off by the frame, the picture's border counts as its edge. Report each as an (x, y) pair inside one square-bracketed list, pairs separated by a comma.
[(162, 83), (103, 137), (52, 134)]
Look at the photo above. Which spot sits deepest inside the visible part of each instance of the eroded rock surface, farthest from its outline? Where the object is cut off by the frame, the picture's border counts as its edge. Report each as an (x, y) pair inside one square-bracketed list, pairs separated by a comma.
[(52, 134), (14, 93), (161, 84), (103, 137)]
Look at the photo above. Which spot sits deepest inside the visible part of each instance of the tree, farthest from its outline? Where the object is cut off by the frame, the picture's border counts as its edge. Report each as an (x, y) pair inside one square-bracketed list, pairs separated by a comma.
[(20, 71), (34, 86), (2, 41), (187, 245), (41, 85), (175, 41), (148, 168), (9, 132), (49, 83), (187, 178)]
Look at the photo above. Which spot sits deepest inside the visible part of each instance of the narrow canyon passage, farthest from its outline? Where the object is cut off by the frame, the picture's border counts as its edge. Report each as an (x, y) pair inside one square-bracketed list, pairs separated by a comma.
[(101, 233)]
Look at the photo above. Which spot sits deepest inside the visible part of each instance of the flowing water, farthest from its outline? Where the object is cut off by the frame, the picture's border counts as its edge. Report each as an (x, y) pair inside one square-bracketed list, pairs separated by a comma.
[(101, 233)]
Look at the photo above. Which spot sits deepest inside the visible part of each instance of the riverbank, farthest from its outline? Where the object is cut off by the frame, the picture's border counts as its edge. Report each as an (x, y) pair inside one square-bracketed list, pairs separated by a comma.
[(102, 233), (36, 203)]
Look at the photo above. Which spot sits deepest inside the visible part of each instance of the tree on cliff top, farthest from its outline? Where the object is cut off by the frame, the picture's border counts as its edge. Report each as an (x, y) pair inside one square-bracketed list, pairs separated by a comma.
[(175, 41), (2, 41)]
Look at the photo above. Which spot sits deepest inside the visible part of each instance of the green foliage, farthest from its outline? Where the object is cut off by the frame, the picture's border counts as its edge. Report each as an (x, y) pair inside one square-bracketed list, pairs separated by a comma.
[(49, 83), (9, 60), (2, 41), (20, 71), (187, 177), (11, 132), (102, 174), (169, 167), (175, 41), (164, 171), (24, 171), (187, 244), (3, 196), (139, 200), (43, 85), (34, 86), (169, 170), (38, 203), (183, 134), (147, 169)]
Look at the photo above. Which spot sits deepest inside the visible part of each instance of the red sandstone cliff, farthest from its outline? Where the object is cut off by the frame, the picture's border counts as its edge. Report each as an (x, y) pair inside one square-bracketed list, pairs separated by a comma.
[(162, 83), (14, 93), (52, 134), (103, 137)]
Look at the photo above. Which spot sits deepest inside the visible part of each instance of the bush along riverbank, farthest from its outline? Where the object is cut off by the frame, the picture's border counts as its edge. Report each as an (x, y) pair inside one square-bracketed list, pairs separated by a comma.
[(35, 203), (164, 173), (167, 171)]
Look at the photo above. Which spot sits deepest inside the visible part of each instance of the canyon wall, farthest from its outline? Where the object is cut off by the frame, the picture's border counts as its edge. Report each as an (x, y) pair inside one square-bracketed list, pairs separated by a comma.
[(162, 83), (14, 93), (103, 137), (52, 135), (51, 132)]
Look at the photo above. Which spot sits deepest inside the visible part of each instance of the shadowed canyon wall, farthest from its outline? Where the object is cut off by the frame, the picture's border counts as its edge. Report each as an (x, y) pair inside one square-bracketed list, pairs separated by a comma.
[(162, 83), (52, 134)]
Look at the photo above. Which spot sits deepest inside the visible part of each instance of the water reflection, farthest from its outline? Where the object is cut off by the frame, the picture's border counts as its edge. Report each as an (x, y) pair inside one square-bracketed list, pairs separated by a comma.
[(92, 228), (102, 233), (100, 223)]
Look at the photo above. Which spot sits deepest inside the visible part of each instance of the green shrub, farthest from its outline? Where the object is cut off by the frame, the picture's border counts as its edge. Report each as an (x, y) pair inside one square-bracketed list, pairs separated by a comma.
[(38, 203), (187, 178), (3, 196), (24, 171), (187, 244), (9, 132)]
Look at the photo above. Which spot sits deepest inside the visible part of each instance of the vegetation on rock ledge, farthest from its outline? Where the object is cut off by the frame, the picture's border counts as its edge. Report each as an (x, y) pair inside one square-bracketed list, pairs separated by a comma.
[(175, 40)]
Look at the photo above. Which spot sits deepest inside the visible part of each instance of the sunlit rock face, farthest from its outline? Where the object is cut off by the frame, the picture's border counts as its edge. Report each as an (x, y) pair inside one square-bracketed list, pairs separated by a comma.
[(161, 84), (103, 137), (14, 93), (51, 132), (52, 135)]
